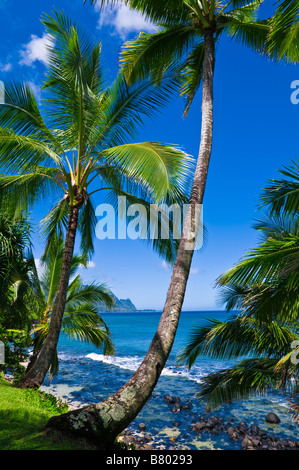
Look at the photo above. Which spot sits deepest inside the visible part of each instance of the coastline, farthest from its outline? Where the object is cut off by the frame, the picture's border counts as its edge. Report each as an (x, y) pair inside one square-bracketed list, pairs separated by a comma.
[(238, 434), (86, 376)]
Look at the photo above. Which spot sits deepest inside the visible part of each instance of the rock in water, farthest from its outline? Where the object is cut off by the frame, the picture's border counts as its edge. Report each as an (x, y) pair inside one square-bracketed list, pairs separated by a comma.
[(272, 418)]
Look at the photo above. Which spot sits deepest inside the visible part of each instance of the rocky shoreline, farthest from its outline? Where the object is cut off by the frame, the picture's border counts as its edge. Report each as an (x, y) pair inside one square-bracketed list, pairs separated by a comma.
[(253, 437), (250, 437)]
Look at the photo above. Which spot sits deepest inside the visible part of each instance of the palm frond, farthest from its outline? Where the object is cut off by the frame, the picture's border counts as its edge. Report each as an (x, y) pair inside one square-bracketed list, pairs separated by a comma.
[(277, 227), (272, 259), (242, 24), (20, 112), (192, 74), (28, 152), (84, 324), (284, 33), (150, 55), (124, 108), (219, 339), (249, 377), (23, 190), (232, 296), (161, 167), (282, 196), (86, 226), (74, 83), (54, 223), (93, 293), (242, 335), (169, 11)]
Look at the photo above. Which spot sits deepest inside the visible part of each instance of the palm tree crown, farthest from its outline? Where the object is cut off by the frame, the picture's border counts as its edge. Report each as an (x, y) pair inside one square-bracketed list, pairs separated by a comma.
[(182, 26), (83, 135)]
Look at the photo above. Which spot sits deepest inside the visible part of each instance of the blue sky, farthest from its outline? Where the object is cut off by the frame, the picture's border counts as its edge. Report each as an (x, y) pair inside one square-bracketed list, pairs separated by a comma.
[(255, 134)]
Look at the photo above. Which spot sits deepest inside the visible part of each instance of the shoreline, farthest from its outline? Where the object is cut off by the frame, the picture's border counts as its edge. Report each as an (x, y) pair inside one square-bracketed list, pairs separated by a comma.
[(242, 435)]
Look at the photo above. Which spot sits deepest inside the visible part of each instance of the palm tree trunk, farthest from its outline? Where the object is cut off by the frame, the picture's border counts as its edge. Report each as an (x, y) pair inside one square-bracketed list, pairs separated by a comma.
[(38, 371), (105, 420), (33, 359)]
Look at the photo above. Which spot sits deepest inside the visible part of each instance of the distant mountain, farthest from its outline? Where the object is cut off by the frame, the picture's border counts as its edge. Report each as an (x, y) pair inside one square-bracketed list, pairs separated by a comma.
[(121, 305)]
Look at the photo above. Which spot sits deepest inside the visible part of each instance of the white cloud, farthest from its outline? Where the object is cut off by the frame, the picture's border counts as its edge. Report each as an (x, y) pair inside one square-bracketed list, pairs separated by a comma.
[(36, 50), (89, 264), (123, 19), (36, 90), (5, 67), (165, 266), (194, 270), (39, 266)]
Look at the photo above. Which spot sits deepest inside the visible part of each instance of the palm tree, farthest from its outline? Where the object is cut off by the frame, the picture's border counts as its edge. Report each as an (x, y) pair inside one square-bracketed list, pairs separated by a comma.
[(81, 137), (81, 319), (263, 286), (185, 23)]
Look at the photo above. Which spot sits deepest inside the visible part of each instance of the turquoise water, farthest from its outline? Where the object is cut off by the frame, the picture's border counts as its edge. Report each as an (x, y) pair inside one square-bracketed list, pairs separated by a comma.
[(87, 376)]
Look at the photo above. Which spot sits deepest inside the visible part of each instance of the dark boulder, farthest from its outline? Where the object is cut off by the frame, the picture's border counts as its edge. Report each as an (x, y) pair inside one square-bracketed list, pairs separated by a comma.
[(171, 399), (272, 418)]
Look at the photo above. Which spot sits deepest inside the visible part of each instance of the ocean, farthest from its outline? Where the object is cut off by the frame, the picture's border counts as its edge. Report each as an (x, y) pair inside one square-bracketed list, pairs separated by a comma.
[(87, 376)]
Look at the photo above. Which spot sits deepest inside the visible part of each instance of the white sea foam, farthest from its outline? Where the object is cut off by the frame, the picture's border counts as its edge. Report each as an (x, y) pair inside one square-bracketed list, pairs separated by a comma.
[(133, 362), (125, 362)]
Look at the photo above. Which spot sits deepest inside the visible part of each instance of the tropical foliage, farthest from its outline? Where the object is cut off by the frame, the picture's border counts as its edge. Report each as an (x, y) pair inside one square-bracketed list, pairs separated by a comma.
[(263, 286), (28, 293), (283, 37), (81, 144), (81, 319), (16, 288)]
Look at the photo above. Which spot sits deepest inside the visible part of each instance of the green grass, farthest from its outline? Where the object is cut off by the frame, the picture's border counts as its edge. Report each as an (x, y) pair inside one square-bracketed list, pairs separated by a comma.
[(23, 415)]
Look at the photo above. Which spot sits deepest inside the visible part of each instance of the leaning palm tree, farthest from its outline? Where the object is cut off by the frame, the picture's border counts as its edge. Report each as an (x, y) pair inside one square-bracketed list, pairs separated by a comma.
[(81, 319), (83, 136), (185, 23)]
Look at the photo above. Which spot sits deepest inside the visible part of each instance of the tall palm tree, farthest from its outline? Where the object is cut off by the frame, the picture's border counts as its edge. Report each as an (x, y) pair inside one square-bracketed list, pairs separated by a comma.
[(81, 136), (193, 28), (81, 319)]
